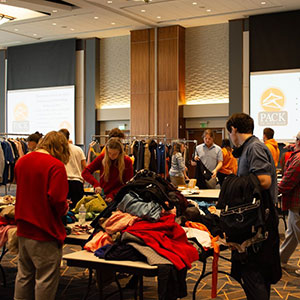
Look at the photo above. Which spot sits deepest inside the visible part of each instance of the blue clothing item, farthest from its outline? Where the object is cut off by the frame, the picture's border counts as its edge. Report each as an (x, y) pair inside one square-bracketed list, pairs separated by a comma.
[(203, 205), (136, 206), (209, 156), (9, 161), (177, 165), (256, 158), (101, 251), (161, 159)]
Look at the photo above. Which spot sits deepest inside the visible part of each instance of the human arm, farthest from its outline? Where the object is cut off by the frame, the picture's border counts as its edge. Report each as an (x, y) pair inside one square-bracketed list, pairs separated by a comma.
[(216, 169), (58, 196), (88, 171)]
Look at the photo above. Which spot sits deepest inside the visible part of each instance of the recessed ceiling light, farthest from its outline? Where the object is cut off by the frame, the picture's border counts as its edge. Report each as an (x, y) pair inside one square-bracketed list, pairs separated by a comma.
[(109, 1), (263, 2), (16, 29), (34, 34), (208, 10), (158, 17), (96, 18), (143, 10), (54, 10), (72, 29), (53, 24), (194, 3), (113, 23), (3, 1)]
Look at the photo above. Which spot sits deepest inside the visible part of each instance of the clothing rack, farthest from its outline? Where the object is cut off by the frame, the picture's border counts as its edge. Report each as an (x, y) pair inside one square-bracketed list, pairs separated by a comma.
[(5, 134), (14, 134)]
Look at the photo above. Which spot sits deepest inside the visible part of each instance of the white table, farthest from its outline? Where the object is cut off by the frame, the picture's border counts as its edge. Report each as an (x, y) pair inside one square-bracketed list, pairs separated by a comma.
[(85, 259), (209, 194), (77, 239)]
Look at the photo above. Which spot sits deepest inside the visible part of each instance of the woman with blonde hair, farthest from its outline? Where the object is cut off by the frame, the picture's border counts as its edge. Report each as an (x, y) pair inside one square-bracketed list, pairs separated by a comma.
[(41, 201), (115, 169)]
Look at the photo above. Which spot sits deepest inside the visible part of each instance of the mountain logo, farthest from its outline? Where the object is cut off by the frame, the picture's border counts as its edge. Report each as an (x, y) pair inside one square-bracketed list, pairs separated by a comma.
[(272, 99)]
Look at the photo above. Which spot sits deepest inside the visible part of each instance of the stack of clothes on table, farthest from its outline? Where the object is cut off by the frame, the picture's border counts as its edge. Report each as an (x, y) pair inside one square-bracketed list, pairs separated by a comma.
[(8, 227), (140, 225)]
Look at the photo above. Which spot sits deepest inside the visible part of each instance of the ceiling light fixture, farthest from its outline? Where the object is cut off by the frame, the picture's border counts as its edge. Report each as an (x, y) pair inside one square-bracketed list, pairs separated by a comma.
[(113, 23), (194, 3), (208, 10), (143, 10), (5, 18), (96, 18), (158, 17), (54, 10), (53, 24), (109, 1), (263, 3)]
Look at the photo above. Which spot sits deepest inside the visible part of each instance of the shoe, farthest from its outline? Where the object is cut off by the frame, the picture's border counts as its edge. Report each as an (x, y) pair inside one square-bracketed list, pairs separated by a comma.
[(297, 272)]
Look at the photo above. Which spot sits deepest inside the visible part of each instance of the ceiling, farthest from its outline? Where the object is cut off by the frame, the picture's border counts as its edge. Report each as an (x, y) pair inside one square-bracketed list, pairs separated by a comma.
[(108, 18)]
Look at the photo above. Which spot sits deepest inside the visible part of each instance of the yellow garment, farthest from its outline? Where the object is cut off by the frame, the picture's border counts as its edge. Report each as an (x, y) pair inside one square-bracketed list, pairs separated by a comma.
[(273, 147), (230, 165), (94, 203)]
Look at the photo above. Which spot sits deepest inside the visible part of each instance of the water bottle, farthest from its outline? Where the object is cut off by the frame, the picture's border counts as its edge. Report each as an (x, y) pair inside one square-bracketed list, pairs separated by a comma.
[(82, 214)]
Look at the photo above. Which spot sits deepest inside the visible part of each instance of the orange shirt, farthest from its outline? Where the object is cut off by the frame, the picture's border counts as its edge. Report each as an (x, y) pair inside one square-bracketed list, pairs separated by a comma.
[(230, 165), (273, 147)]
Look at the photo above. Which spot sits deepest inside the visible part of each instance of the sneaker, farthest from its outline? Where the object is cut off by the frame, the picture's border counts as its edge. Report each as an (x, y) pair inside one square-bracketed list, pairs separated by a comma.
[(297, 272)]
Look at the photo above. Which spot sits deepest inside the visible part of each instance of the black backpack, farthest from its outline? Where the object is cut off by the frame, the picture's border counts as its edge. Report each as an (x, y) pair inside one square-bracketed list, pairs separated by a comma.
[(244, 212)]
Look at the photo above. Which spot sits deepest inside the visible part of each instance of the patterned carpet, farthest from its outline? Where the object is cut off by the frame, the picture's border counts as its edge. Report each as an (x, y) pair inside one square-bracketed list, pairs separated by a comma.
[(73, 281)]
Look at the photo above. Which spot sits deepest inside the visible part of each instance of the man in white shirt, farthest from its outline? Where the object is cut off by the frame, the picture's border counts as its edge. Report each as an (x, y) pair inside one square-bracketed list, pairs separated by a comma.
[(74, 167)]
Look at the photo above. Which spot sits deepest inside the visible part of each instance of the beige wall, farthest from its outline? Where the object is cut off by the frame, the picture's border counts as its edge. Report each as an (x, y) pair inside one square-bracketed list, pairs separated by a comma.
[(114, 72), (207, 63)]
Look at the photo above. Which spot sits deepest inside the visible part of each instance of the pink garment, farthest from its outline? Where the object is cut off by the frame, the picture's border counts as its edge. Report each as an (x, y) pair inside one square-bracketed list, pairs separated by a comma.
[(3, 233), (99, 240), (119, 221)]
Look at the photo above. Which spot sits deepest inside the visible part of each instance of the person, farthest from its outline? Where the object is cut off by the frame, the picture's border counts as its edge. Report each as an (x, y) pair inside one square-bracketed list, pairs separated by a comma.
[(41, 202), (289, 186), (115, 133), (263, 267), (268, 138), (33, 140), (229, 162), (178, 169), (74, 168), (115, 169), (210, 155)]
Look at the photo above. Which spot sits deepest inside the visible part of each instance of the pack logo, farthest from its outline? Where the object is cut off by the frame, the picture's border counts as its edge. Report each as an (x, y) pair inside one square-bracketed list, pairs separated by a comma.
[(272, 101)]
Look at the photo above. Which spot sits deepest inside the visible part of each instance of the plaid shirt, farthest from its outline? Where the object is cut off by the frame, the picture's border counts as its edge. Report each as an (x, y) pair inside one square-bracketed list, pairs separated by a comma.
[(290, 183)]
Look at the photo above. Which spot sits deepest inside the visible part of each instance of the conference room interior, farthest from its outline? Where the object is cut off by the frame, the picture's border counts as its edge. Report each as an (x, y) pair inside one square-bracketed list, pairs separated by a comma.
[(165, 79)]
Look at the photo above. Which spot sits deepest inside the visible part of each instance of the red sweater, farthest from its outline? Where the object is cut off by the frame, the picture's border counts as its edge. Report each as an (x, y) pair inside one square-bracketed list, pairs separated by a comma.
[(41, 198), (113, 185), (168, 239)]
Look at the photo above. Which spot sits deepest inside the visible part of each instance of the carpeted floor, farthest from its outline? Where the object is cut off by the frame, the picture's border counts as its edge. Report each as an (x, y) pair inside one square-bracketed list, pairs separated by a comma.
[(73, 281)]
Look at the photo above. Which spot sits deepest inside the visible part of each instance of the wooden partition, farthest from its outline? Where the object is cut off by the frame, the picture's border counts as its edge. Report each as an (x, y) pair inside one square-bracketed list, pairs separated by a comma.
[(170, 81)]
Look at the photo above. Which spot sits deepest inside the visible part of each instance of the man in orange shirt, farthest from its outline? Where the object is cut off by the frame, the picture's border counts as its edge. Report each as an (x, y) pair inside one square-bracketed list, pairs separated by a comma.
[(271, 144)]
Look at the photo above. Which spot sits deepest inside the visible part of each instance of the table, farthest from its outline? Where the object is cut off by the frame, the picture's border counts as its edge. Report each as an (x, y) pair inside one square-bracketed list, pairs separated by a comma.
[(77, 239), (85, 259), (209, 194)]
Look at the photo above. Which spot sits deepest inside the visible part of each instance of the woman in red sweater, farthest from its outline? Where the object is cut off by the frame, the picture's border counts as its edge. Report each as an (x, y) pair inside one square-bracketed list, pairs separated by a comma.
[(115, 169), (41, 201)]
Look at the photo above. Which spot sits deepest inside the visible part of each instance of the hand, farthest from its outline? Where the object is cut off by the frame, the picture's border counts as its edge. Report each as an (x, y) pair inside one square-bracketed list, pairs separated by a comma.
[(98, 190), (69, 201), (108, 200), (214, 174), (193, 163), (196, 158)]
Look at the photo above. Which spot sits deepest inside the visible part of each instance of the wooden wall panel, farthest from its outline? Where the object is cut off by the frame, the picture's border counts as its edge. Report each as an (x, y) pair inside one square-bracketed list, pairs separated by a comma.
[(168, 113), (170, 80), (139, 114), (140, 82)]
